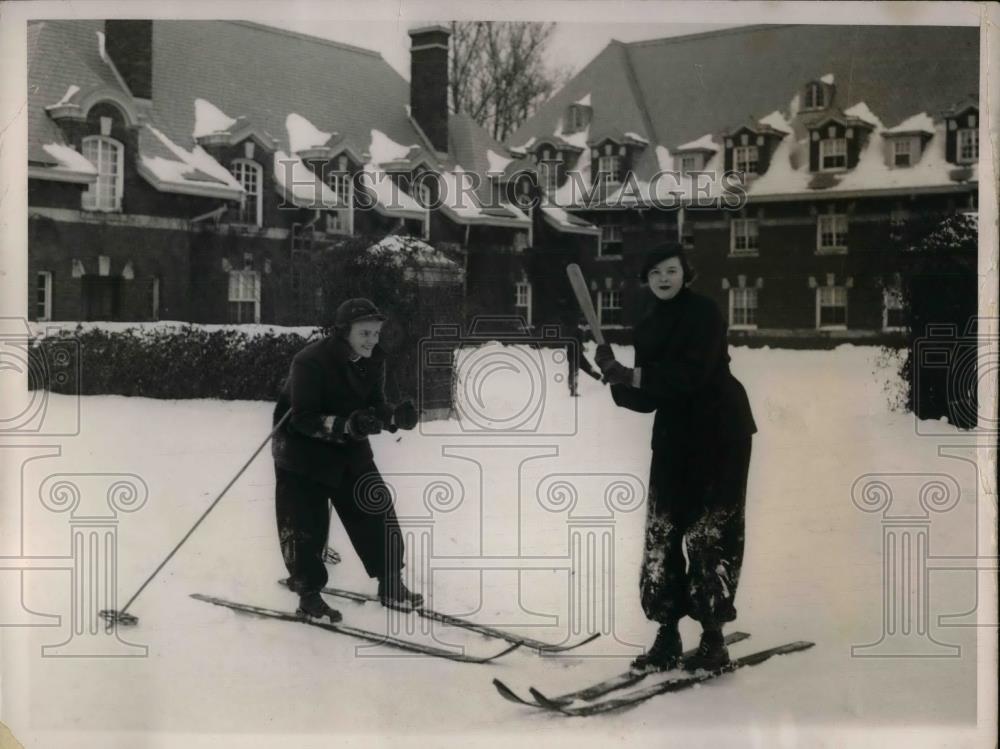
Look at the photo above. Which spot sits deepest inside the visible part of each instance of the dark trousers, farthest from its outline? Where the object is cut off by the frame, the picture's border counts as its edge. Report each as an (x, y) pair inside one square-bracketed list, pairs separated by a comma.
[(699, 503), (364, 505)]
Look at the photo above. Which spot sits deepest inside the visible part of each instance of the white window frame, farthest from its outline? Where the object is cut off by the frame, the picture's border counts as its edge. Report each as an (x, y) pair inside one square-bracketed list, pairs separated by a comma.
[(967, 138), (743, 157), (609, 176), (839, 148), (902, 147), (892, 299), (604, 299), (836, 291), (815, 97), (242, 291), (523, 298), (43, 283), (339, 180), (747, 229), (240, 169), (839, 233), (610, 229), (749, 293), (689, 163), (96, 196)]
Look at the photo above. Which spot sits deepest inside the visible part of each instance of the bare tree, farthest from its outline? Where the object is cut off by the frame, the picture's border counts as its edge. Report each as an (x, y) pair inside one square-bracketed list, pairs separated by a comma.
[(498, 75)]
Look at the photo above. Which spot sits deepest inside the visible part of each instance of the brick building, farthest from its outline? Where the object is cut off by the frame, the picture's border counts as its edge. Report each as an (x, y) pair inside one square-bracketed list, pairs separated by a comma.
[(841, 135), (190, 170)]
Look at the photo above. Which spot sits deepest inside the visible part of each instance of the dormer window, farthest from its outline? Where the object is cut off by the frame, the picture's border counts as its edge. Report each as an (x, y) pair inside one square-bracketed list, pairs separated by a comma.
[(340, 218), (968, 146), (745, 159), (577, 118), (690, 163), (902, 152), (548, 170), (833, 154), (105, 194), (250, 175), (815, 97), (609, 169)]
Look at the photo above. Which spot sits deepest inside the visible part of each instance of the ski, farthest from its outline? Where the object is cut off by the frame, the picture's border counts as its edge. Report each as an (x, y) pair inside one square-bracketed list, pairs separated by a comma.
[(363, 634), (678, 683), (588, 694), (456, 621)]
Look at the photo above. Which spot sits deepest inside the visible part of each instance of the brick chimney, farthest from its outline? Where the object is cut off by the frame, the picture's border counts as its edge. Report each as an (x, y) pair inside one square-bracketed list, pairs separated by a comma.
[(129, 44), (429, 82)]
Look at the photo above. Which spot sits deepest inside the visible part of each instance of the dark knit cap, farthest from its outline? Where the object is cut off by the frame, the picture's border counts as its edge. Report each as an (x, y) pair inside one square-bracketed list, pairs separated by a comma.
[(662, 252), (356, 310)]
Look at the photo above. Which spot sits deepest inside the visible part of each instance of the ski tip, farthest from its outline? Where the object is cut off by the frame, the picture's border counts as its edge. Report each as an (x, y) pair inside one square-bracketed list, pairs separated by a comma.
[(503, 652), (548, 702), (508, 694), (546, 650)]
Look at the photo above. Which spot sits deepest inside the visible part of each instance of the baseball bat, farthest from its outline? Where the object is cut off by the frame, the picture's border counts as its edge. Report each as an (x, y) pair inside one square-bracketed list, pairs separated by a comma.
[(582, 293)]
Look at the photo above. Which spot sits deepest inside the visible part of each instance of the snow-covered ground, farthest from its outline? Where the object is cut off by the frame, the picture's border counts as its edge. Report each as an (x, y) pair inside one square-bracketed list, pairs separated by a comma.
[(813, 571)]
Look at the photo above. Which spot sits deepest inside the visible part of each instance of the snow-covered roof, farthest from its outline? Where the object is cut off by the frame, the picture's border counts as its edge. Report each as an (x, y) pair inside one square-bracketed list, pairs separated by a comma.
[(918, 123), (777, 121), (69, 160), (827, 79), (497, 163), (169, 167), (864, 113), (209, 119), (390, 199), (298, 184), (559, 219), (384, 149), (704, 143), (584, 101)]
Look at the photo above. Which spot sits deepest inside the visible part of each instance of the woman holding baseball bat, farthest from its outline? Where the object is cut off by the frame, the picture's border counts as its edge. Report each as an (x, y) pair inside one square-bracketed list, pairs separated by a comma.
[(701, 457)]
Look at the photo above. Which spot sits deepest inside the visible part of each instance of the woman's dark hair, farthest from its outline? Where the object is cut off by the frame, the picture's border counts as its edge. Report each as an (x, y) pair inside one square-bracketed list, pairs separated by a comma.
[(663, 252)]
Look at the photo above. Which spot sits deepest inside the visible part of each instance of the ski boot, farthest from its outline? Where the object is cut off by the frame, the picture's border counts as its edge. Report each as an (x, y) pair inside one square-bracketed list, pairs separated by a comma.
[(664, 654), (395, 595), (712, 653), (312, 606)]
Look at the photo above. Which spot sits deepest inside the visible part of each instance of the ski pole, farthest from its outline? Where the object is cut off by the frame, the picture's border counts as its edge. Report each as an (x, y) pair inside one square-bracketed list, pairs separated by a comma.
[(121, 616)]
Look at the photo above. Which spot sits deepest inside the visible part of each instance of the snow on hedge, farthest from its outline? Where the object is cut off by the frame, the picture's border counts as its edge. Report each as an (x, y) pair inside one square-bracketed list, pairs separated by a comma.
[(160, 326)]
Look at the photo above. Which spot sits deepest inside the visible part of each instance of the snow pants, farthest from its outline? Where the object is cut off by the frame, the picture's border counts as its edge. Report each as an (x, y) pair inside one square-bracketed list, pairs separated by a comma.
[(698, 503), (364, 505)]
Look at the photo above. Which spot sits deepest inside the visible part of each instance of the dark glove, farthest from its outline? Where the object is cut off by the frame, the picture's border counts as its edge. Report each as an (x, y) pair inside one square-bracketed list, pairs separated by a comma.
[(617, 374), (405, 415), (363, 422), (604, 356)]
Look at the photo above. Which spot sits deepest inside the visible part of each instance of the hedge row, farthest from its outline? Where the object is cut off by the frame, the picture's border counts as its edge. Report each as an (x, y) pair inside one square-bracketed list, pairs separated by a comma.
[(187, 362)]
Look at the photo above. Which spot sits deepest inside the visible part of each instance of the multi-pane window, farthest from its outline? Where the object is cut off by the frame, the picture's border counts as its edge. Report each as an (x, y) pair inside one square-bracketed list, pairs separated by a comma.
[(833, 153), (244, 296), (743, 237), (522, 300), (689, 164), (609, 170), (43, 296), (548, 175), (609, 307), (893, 311), (106, 154), (968, 145), (250, 175), (902, 154), (745, 159), (743, 308), (815, 96), (611, 239), (336, 222), (831, 307), (831, 233)]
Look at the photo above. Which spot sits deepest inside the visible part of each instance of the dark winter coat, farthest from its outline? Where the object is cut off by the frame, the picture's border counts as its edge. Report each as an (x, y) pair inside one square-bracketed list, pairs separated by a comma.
[(682, 350), (324, 382)]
